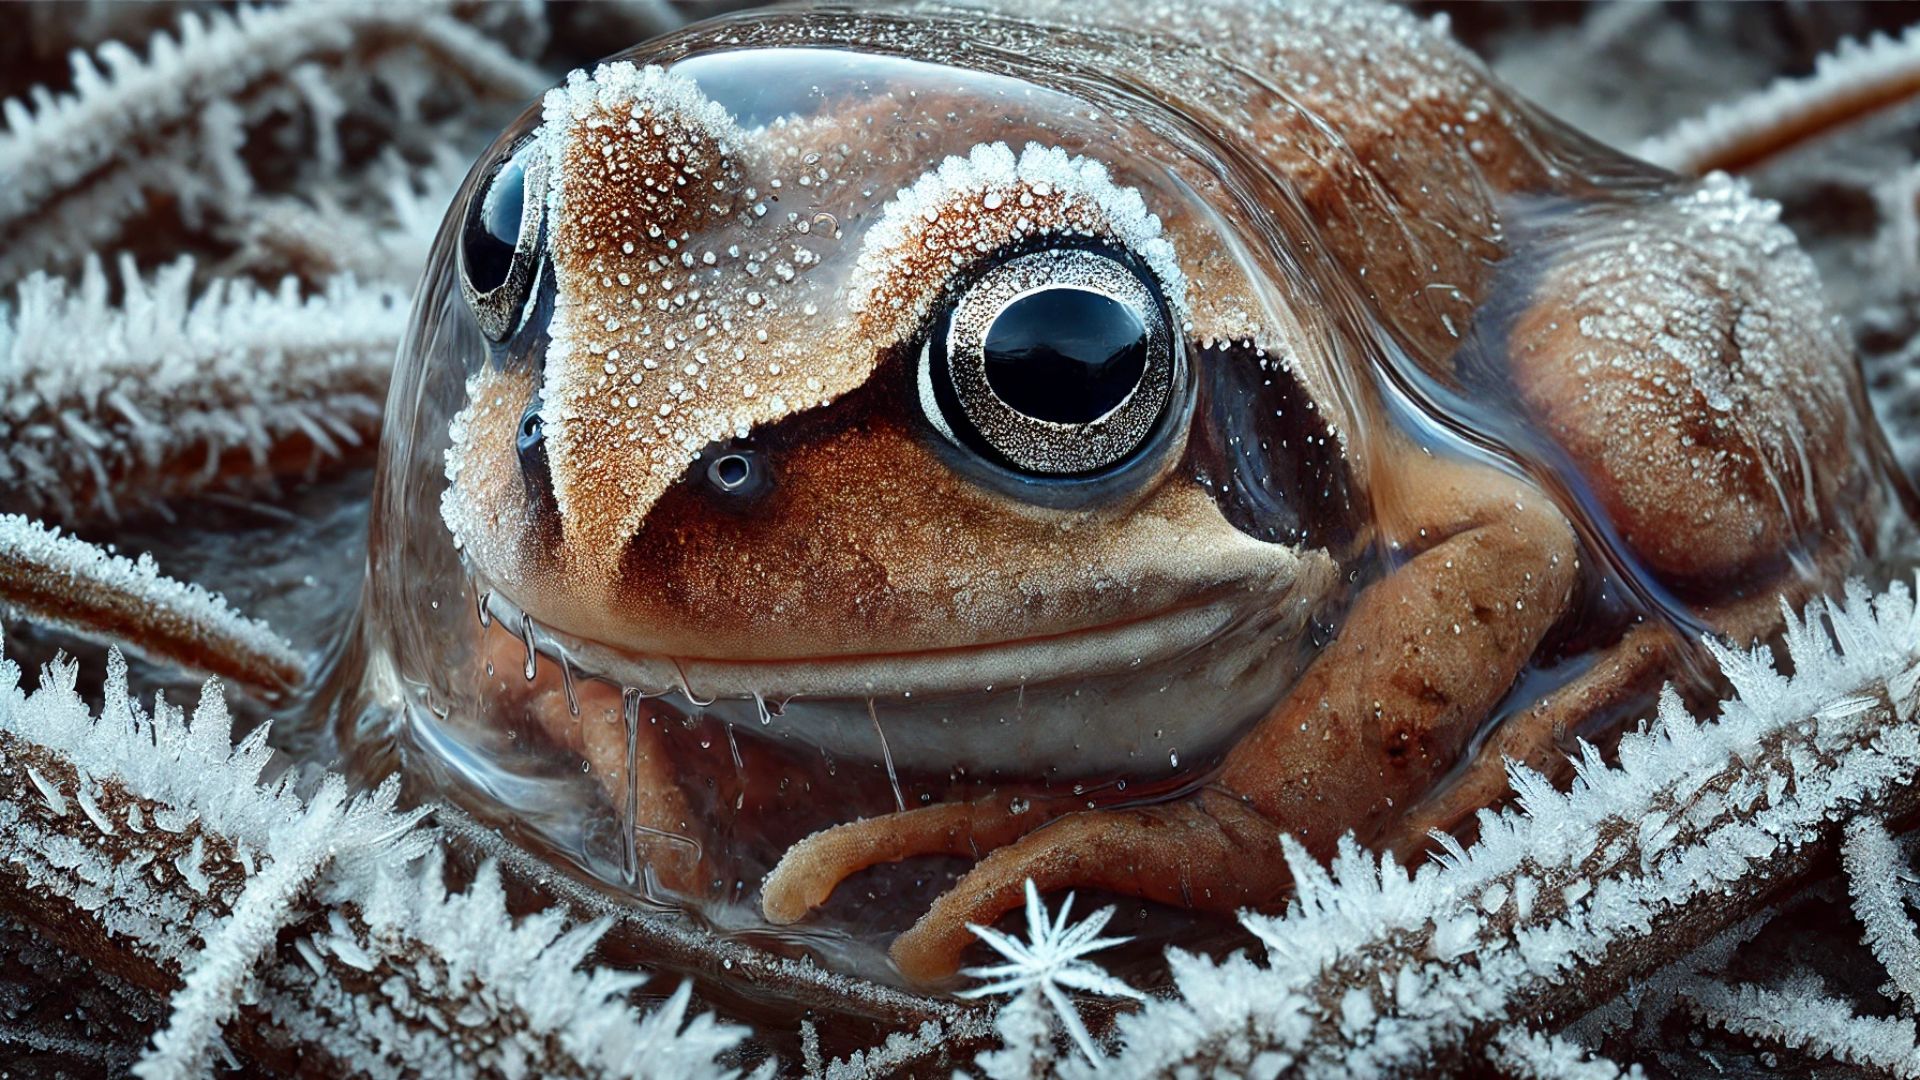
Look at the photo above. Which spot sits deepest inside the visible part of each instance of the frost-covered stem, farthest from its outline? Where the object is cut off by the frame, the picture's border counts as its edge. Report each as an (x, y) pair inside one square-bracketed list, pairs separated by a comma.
[(66, 582), (926, 1029), (273, 899), (1529, 1055), (79, 165), (1651, 998), (1875, 875), (146, 844), (908, 1051), (28, 1037), (1847, 84), (1804, 1018), (112, 115), (320, 239), (170, 392), (214, 981)]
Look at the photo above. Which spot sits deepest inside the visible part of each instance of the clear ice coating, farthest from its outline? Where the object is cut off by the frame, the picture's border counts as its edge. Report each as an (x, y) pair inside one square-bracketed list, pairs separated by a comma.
[(701, 534)]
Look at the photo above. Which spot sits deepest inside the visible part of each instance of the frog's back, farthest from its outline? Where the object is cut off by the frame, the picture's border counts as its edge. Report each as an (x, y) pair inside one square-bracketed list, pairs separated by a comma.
[(1397, 171)]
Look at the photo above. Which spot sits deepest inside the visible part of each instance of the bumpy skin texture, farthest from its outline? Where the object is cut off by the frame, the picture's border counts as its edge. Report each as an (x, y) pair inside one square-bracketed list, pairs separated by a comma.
[(1667, 343)]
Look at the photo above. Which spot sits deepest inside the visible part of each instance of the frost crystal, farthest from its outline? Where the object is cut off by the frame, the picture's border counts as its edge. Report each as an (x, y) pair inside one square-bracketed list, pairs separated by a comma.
[(1527, 1055), (1052, 957)]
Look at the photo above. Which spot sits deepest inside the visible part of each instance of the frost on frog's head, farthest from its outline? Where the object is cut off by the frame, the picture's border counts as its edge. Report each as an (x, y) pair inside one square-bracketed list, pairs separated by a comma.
[(690, 307), (991, 197)]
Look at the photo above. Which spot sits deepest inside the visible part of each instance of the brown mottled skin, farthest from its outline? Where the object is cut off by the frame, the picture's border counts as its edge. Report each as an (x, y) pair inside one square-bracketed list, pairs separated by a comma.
[(1388, 158)]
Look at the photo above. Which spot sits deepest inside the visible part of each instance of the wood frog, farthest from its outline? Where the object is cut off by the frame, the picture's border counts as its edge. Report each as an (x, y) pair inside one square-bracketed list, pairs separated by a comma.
[(1127, 434)]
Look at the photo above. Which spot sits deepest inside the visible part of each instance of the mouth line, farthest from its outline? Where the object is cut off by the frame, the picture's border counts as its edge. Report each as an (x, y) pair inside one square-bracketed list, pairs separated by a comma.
[(1111, 648)]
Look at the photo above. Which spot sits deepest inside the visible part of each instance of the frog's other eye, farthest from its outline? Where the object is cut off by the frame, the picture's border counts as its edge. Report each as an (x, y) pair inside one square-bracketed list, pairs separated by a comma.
[(1056, 364), (500, 243)]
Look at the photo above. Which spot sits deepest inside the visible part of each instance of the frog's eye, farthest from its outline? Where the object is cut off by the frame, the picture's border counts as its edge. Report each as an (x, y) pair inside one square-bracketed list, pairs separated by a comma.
[(500, 243), (1055, 363)]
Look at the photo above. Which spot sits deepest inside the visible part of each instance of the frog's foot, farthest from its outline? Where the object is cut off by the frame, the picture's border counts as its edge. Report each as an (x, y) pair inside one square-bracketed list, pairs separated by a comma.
[(626, 751), (1210, 852)]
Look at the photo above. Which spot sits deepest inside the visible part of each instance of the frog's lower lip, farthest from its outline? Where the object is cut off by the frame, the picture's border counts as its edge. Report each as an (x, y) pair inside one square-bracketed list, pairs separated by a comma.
[(1100, 650)]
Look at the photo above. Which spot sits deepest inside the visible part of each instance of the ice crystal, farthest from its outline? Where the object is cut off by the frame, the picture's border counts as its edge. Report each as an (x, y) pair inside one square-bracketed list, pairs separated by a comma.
[(1527, 1055), (1052, 957)]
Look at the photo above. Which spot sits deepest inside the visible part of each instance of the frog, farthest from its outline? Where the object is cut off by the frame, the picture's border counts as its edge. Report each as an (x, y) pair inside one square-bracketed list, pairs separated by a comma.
[(1009, 396)]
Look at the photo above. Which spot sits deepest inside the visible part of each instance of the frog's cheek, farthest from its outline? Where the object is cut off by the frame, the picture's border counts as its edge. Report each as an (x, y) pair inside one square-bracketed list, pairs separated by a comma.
[(869, 541), (498, 505)]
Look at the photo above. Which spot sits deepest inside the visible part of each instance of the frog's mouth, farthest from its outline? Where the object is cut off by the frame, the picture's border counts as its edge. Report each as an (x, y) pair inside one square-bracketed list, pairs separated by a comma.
[(1124, 696), (1087, 653)]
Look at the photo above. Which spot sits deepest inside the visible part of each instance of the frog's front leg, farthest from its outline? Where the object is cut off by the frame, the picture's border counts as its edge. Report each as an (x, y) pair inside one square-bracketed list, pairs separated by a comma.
[(625, 747), (1424, 655)]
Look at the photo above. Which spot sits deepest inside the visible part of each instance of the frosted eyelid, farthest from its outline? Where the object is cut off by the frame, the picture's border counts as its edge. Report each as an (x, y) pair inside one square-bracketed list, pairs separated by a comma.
[(987, 201)]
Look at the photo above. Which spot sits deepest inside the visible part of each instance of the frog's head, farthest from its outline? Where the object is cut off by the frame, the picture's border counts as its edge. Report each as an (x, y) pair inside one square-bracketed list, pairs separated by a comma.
[(938, 396)]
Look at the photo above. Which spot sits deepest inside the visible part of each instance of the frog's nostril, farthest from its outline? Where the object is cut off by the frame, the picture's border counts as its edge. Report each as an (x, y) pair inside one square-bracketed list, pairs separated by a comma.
[(738, 473), (532, 432), (730, 472), (530, 441)]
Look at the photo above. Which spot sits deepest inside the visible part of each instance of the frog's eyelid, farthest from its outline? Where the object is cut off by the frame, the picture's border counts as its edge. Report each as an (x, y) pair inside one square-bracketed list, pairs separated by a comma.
[(988, 200)]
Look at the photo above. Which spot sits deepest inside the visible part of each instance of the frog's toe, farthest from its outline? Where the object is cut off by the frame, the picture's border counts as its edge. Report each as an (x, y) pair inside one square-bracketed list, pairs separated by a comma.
[(1211, 852), (810, 870)]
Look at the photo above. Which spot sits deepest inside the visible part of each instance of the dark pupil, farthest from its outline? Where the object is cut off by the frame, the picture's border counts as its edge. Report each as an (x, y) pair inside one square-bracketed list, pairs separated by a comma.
[(1065, 355), (494, 229)]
